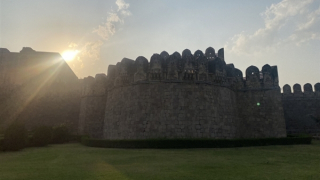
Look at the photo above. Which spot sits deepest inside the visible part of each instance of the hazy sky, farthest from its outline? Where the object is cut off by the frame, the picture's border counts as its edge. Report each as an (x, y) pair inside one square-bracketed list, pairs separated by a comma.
[(283, 33)]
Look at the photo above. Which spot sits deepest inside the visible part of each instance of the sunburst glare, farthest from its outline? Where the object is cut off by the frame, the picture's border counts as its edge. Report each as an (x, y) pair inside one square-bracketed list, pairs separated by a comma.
[(69, 55)]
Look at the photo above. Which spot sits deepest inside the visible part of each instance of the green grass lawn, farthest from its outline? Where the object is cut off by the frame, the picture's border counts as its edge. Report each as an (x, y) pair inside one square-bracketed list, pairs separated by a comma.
[(74, 161)]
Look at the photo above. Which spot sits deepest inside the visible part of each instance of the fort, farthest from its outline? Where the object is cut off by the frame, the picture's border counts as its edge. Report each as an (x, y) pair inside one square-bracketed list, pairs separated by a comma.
[(173, 96)]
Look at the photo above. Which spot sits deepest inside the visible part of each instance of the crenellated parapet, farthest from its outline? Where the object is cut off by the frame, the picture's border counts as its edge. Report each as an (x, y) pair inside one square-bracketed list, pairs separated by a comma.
[(93, 102), (296, 91), (302, 108), (209, 67), (187, 95), (94, 86), (266, 78)]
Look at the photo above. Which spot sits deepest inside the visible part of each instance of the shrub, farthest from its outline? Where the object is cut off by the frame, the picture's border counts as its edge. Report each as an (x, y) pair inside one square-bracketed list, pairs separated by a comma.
[(41, 136), (1, 144), (75, 138), (60, 134), (194, 143), (15, 137)]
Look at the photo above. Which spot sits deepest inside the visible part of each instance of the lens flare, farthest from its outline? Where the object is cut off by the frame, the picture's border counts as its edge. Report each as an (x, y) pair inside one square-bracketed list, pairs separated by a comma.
[(69, 55)]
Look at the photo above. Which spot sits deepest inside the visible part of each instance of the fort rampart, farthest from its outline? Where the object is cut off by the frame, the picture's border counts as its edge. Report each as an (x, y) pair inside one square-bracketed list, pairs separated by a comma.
[(302, 108), (182, 96), (171, 96)]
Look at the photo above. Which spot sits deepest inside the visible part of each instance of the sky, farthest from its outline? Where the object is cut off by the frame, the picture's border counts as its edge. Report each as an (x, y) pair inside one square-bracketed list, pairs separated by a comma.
[(98, 33)]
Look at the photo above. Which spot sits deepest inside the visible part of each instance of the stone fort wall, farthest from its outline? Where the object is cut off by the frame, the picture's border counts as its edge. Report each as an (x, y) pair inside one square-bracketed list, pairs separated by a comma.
[(92, 106), (187, 95), (302, 109), (167, 110), (261, 114), (182, 96)]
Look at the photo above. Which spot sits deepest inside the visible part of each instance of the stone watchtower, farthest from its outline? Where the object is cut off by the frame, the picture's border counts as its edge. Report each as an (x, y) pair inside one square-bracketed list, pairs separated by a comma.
[(182, 96)]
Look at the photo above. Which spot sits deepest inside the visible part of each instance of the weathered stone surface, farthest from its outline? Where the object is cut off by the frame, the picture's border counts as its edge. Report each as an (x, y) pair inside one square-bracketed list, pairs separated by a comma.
[(91, 117), (301, 109), (183, 98), (261, 114), (196, 96), (141, 64), (253, 77), (170, 110)]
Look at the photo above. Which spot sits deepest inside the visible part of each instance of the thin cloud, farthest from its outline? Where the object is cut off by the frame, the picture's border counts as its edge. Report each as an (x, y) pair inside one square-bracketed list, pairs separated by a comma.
[(108, 29), (122, 5), (309, 29), (287, 14), (90, 51)]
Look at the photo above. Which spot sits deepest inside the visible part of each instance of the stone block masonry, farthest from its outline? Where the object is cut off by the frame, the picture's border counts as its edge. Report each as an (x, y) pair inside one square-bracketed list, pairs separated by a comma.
[(170, 110), (302, 109), (169, 96), (182, 96), (261, 114)]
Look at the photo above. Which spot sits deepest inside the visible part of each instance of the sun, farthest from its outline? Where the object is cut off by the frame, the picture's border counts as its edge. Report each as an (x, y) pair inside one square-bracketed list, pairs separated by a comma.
[(69, 55)]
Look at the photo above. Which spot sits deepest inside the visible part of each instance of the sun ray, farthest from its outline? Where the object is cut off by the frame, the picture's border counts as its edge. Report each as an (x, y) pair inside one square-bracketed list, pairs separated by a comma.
[(30, 97), (69, 55)]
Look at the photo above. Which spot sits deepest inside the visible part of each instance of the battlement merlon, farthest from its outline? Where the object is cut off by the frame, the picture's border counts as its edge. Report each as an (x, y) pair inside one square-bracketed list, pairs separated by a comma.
[(209, 67), (154, 90), (308, 91), (4, 50)]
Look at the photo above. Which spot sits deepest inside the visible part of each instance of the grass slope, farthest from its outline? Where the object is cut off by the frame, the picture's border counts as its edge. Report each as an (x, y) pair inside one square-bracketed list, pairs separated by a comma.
[(74, 161)]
